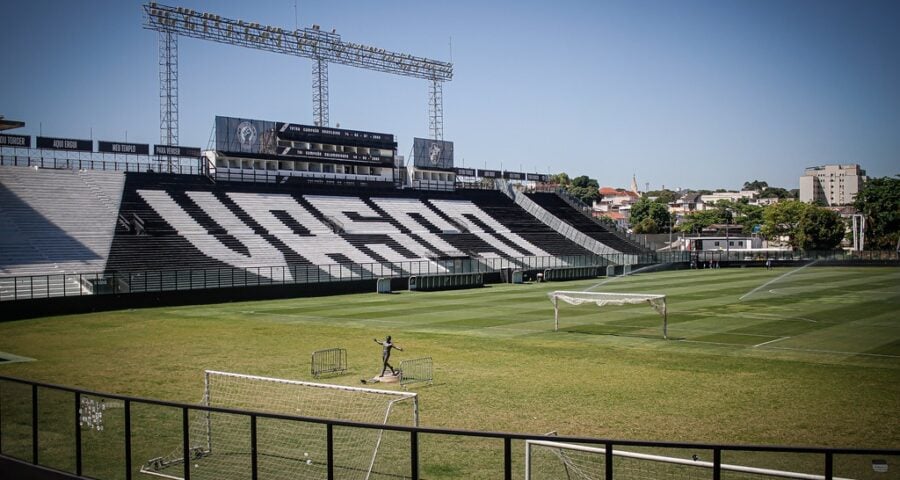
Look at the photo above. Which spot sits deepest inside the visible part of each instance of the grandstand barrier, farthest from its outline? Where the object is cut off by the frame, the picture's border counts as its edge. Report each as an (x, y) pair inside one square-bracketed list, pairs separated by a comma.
[(20, 288), (330, 360), (25, 447), (383, 285), (101, 161), (570, 273), (445, 282), (417, 370)]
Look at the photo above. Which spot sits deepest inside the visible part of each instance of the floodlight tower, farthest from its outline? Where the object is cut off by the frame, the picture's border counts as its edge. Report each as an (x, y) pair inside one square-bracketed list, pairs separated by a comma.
[(313, 43)]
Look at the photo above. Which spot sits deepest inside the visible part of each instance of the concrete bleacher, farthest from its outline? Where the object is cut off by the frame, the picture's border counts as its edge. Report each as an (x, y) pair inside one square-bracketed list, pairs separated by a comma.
[(179, 231), (240, 225), (562, 210), (55, 222)]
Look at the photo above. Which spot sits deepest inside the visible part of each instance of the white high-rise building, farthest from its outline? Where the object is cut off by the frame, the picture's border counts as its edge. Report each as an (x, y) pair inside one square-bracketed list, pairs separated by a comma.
[(832, 185)]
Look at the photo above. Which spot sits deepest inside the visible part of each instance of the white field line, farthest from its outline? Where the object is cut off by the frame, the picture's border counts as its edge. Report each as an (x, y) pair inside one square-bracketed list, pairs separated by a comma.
[(770, 341), (751, 292), (834, 352)]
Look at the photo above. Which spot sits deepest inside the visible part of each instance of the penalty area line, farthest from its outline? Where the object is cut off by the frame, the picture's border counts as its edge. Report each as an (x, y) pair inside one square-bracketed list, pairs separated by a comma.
[(771, 341)]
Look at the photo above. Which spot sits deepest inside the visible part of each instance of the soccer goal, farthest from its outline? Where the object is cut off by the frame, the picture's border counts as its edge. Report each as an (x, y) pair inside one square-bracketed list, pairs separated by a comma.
[(602, 299), (220, 444), (546, 460)]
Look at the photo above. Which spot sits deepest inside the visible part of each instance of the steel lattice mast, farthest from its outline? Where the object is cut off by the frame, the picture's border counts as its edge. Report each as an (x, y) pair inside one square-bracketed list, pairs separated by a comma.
[(313, 43)]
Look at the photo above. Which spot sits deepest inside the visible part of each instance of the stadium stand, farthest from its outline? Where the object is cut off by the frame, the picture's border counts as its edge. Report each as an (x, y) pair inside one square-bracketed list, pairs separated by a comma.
[(148, 227), (233, 224), (552, 203), (56, 221)]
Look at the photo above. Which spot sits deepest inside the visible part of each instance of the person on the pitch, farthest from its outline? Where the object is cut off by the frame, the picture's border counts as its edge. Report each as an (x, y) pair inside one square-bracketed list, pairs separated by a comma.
[(386, 354)]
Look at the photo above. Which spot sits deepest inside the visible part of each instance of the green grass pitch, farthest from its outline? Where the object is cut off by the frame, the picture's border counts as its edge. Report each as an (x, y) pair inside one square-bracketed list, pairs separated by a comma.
[(809, 358)]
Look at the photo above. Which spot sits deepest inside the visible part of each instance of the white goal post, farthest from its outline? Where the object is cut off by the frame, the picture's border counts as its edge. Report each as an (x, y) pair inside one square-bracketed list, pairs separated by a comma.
[(601, 299), (220, 445), (546, 460)]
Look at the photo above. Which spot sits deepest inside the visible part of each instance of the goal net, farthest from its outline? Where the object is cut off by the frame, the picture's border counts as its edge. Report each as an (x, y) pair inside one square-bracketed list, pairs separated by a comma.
[(545, 460), (220, 445), (602, 299)]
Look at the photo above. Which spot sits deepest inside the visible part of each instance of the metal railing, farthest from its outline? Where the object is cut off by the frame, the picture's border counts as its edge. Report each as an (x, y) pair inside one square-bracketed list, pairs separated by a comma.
[(831, 256), (95, 161), (587, 211), (29, 427), (109, 283)]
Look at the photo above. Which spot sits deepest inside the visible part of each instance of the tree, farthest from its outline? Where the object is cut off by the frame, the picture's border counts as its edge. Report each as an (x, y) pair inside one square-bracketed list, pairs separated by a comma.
[(750, 216), (757, 185), (820, 229), (782, 219), (646, 225), (560, 178), (585, 194), (808, 227), (647, 209), (583, 188), (695, 222), (879, 202), (665, 195), (584, 182), (776, 192)]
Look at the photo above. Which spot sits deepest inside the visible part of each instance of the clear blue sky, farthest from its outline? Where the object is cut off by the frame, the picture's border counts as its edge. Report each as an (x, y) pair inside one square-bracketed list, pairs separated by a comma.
[(701, 94)]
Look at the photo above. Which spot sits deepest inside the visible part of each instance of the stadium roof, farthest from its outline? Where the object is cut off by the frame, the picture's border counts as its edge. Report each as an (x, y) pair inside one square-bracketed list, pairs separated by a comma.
[(9, 124)]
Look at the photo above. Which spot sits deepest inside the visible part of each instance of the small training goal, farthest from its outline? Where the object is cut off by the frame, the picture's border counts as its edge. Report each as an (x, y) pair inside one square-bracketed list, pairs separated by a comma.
[(602, 299), (221, 445)]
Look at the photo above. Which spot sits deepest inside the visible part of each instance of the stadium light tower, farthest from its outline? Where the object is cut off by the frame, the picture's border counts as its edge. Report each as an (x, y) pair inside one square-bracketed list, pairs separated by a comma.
[(313, 43)]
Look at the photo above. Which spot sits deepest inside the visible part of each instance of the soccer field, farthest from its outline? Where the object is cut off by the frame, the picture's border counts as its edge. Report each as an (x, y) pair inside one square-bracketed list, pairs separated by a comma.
[(805, 356)]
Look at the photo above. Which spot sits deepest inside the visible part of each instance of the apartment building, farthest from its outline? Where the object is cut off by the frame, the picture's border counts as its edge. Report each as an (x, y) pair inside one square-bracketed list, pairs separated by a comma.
[(832, 185)]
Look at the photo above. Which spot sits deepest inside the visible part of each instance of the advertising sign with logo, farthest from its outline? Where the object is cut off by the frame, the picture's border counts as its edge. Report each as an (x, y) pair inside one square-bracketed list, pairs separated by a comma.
[(176, 151), (489, 173), (65, 144), (126, 148), (241, 135), (433, 153), (20, 141)]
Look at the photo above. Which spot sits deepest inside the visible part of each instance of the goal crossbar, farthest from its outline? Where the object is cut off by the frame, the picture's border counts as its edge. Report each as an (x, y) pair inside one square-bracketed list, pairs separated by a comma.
[(602, 299), (529, 474)]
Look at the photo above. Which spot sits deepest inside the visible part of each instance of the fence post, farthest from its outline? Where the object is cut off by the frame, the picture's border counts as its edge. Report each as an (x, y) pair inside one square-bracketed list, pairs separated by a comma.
[(127, 439), (829, 466), (414, 454), (608, 454), (34, 424), (507, 458), (186, 442), (254, 461), (78, 433), (329, 449), (717, 464)]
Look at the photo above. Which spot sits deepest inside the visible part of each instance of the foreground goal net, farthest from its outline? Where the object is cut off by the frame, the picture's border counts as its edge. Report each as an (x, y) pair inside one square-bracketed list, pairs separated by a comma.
[(602, 299), (545, 460), (220, 444)]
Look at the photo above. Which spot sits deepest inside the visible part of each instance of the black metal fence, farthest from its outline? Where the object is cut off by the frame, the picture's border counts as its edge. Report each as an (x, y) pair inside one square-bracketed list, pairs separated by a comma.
[(831, 256), (104, 161), (79, 284), (40, 423)]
